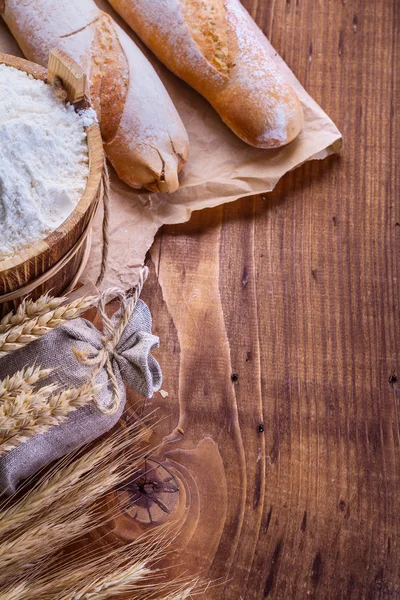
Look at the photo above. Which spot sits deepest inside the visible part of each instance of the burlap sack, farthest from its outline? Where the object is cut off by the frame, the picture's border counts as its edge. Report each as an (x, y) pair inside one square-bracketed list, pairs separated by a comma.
[(131, 362)]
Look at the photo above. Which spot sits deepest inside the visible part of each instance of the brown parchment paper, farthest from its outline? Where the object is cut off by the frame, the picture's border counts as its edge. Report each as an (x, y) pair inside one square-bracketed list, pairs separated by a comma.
[(221, 168)]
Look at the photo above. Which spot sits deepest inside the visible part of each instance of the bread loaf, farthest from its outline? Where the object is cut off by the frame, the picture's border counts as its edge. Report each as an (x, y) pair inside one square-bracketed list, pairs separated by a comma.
[(215, 46), (144, 137)]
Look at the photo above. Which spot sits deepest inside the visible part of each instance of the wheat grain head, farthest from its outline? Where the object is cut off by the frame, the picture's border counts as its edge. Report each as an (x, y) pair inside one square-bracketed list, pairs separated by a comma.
[(21, 381), (29, 330), (34, 413)]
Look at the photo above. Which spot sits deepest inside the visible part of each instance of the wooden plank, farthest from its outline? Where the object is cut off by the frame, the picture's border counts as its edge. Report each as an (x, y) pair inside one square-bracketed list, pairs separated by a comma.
[(280, 345)]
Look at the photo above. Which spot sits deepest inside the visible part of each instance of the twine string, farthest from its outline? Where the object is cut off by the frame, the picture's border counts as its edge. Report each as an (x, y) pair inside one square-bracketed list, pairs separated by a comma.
[(112, 333), (105, 197)]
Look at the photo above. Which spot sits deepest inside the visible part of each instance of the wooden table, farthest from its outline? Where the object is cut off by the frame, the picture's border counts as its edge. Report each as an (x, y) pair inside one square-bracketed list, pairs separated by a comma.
[(278, 318)]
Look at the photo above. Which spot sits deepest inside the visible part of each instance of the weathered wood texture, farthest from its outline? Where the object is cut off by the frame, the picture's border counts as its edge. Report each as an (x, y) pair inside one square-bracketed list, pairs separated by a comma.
[(278, 319)]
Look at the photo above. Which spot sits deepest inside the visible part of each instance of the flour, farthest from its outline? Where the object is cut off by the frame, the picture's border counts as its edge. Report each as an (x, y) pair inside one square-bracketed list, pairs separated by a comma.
[(88, 117), (44, 162)]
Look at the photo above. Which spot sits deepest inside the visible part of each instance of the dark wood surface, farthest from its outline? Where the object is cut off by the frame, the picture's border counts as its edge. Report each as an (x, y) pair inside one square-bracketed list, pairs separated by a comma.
[(279, 323)]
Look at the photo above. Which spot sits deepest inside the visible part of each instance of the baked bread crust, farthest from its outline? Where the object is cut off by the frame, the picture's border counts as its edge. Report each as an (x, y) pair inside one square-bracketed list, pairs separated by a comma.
[(215, 46), (144, 137)]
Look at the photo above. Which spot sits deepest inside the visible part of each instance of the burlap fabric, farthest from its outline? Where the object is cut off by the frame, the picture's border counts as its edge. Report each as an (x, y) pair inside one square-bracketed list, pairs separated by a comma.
[(131, 362)]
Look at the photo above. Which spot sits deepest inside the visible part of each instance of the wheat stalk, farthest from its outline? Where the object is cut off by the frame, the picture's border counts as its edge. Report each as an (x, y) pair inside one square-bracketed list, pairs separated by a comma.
[(25, 546), (29, 309), (99, 572), (15, 593), (28, 547), (119, 582), (22, 592), (22, 381), (93, 486), (67, 480), (36, 528), (183, 593), (83, 574), (33, 413), (34, 328), (65, 578)]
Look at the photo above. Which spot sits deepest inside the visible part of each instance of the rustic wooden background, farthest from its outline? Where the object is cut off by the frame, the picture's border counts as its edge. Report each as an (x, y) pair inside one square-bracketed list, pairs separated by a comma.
[(278, 317)]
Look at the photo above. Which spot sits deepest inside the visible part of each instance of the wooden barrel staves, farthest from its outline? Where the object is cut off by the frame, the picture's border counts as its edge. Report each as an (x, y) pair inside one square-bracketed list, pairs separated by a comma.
[(54, 262)]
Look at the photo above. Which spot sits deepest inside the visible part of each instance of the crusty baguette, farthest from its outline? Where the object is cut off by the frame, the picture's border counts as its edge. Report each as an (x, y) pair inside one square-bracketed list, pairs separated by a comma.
[(215, 46), (143, 135)]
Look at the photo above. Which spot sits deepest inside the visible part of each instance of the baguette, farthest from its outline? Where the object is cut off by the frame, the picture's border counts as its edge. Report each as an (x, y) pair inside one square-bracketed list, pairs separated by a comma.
[(215, 46), (144, 137)]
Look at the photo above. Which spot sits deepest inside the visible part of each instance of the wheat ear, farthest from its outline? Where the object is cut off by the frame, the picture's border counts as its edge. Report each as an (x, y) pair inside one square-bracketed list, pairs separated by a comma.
[(66, 479), (22, 381), (14, 593), (35, 413), (87, 489), (121, 581), (24, 547), (98, 571), (83, 573), (182, 592), (34, 328), (28, 547), (24, 404), (30, 309)]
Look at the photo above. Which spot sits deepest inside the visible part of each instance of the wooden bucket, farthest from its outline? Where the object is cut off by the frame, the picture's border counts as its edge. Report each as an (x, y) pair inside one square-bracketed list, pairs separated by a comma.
[(55, 263)]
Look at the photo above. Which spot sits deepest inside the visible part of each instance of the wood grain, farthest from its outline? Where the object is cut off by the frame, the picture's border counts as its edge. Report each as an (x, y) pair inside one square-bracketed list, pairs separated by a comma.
[(278, 318), (73, 78)]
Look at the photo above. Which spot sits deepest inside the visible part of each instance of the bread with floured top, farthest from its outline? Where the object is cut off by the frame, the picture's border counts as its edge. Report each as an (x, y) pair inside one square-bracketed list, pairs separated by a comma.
[(215, 46), (144, 137)]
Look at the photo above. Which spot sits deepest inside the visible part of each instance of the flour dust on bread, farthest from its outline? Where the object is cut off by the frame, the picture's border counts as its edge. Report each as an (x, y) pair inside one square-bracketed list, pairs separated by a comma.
[(215, 46), (144, 137)]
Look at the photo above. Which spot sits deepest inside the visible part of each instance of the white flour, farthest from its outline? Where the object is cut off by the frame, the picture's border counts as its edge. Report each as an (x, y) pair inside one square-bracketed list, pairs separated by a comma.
[(44, 161)]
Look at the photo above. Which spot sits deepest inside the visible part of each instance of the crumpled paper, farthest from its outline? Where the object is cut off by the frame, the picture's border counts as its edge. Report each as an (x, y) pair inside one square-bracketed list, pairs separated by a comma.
[(221, 168)]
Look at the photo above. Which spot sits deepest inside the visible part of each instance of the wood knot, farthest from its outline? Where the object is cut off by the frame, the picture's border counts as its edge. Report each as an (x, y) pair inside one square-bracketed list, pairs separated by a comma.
[(151, 495)]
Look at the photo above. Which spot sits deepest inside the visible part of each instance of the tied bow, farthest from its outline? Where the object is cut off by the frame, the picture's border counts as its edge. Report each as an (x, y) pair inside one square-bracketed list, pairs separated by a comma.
[(113, 330)]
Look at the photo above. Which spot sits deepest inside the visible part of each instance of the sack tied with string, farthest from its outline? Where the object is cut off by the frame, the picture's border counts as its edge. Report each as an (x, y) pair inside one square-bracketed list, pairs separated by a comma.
[(77, 353)]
